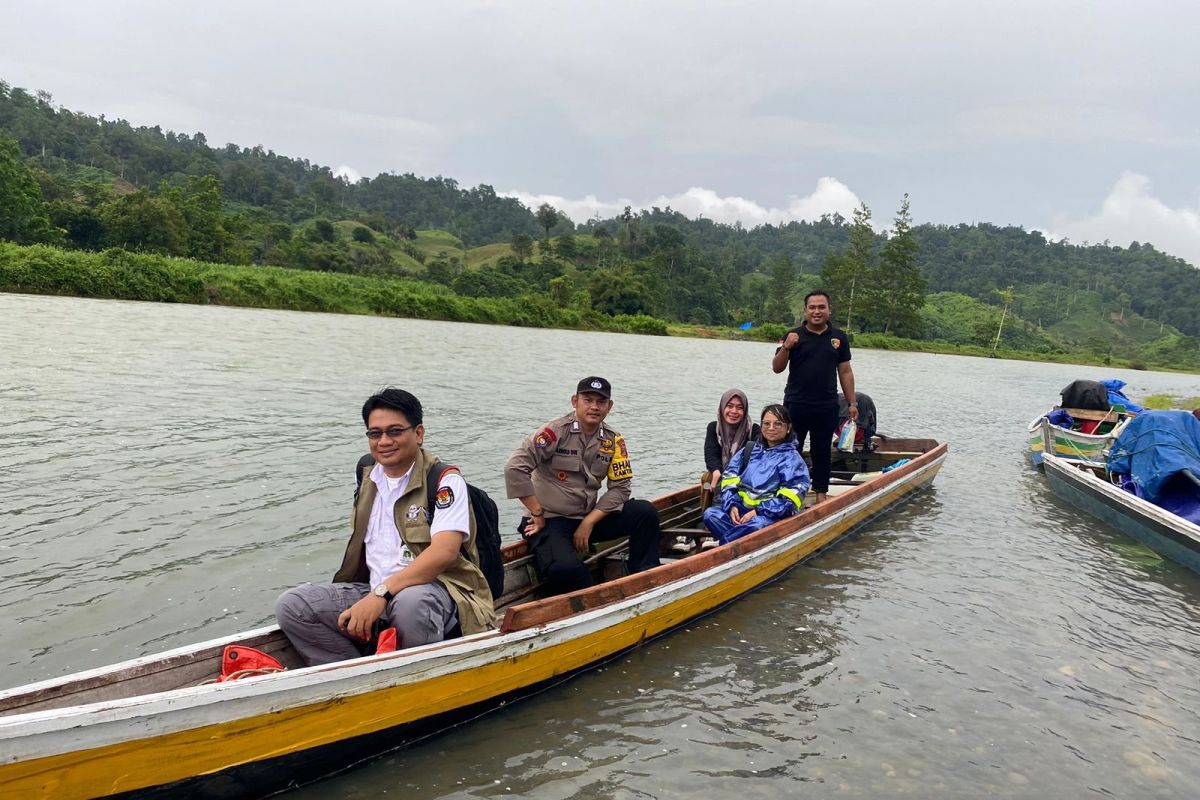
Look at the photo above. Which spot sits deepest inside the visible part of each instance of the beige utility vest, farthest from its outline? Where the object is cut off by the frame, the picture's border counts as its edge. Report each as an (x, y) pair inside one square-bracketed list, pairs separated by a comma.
[(462, 579)]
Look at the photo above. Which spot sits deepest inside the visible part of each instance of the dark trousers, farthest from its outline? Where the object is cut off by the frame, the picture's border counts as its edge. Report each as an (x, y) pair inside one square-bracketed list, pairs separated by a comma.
[(559, 566), (818, 424)]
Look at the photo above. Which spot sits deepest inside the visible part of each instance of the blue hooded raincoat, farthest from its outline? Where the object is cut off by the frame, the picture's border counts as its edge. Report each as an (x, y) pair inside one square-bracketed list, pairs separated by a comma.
[(773, 484)]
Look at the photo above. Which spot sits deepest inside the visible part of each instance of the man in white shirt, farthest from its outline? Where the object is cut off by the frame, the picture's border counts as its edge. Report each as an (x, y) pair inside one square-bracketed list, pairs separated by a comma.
[(413, 566)]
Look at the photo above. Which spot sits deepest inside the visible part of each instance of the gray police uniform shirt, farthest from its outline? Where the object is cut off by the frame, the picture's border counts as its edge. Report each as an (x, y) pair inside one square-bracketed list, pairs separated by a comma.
[(566, 469)]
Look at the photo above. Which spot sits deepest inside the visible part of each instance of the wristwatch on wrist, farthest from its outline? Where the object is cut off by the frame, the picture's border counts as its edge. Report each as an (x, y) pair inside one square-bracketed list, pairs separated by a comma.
[(382, 591)]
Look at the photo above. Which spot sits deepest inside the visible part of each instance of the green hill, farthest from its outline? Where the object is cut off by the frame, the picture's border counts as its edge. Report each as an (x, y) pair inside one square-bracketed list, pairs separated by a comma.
[(488, 255), (439, 244), (91, 184)]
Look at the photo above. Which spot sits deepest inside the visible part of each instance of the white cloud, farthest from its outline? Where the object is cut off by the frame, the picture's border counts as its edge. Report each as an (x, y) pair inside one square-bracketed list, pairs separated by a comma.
[(830, 196), (1131, 213), (349, 173)]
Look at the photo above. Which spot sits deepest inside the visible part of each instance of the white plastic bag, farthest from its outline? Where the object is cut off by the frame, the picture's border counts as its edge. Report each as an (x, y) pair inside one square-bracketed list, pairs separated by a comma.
[(846, 439)]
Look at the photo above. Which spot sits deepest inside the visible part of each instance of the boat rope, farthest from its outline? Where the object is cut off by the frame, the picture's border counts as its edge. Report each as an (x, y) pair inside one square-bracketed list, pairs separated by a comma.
[(241, 673), (1074, 448)]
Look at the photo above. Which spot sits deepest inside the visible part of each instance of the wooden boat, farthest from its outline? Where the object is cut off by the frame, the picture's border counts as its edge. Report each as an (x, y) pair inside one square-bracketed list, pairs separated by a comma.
[(152, 726), (1071, 443), (1087, 487)]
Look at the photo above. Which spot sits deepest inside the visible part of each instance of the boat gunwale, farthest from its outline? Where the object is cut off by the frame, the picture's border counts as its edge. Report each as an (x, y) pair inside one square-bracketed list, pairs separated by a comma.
[(1082, 474), (768, 543), (1089, 438), (718, 557)]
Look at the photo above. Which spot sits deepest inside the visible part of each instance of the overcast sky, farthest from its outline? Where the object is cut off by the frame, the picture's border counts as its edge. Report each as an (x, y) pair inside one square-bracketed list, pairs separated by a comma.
[(1078, 119)]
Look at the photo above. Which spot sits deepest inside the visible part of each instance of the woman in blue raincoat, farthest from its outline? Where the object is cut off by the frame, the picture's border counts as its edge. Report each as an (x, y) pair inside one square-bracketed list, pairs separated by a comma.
[(766, 489)]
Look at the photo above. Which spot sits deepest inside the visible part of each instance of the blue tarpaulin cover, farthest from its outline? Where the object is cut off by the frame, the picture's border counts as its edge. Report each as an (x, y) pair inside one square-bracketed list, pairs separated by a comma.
[(1117, 398), (1154, 452), (1060, 417)]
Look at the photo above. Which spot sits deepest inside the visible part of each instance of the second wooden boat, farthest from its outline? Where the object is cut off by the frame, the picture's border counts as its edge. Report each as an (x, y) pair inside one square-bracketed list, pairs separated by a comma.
[(1088, 488), (1045, 436)]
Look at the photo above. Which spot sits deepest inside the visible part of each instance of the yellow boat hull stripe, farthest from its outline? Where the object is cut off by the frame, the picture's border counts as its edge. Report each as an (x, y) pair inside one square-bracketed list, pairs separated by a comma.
[(175, 757)]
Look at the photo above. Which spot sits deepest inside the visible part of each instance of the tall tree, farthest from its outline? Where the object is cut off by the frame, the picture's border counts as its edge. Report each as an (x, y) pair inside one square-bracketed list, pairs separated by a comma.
[(780, 289), (547, 217), (898, 286), (625, 289), (137, 221), (522, 245), (1007, 296), (200, 203), (566, 247), (847, 275), (23, 216), (755, 289)]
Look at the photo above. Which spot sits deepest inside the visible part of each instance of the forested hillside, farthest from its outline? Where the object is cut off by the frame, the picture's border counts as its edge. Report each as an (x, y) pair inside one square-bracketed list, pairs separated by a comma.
[(975, 260), (87, 183)]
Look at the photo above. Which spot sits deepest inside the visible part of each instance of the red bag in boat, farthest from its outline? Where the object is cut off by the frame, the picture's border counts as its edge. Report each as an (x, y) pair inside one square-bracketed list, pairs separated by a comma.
[(1088, 426), (387, 641), (240, 661)]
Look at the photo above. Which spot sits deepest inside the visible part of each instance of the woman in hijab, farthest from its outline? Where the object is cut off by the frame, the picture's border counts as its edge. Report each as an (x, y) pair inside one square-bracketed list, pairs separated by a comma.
[(762, 484), (726, 435)]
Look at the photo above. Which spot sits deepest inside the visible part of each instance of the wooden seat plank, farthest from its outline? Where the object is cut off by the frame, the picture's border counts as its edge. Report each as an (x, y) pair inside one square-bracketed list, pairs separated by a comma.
[(1097, 416)]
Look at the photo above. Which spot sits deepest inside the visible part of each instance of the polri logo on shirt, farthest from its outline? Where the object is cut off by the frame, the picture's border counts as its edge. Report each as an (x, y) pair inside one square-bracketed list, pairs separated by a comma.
[(836, 343)]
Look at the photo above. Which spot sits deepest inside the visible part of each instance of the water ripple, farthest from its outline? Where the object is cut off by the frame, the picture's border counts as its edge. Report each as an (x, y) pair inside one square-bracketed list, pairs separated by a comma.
[(167, 471)]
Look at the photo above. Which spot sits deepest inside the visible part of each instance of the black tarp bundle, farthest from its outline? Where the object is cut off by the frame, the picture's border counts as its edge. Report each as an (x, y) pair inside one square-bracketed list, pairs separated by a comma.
[(1090, 395)]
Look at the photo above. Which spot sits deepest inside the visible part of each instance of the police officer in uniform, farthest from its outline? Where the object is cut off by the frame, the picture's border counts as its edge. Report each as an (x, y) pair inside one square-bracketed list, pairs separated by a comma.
[(557, 474)]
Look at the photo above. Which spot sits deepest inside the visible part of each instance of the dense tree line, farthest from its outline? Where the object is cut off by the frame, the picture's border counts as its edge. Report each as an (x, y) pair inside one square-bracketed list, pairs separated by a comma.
[(976, 260), (278, 188), (90, 183)]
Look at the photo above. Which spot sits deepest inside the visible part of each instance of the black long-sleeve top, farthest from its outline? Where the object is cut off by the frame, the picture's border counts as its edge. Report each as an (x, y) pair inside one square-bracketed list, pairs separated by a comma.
[(712, 447)]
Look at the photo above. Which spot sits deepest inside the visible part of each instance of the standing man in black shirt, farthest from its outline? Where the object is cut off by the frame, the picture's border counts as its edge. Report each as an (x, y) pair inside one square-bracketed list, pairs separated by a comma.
[(818, 357)]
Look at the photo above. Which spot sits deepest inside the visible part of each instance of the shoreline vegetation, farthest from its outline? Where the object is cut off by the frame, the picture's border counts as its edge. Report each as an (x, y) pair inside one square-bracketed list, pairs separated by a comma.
[(140, 213), (118, 274)]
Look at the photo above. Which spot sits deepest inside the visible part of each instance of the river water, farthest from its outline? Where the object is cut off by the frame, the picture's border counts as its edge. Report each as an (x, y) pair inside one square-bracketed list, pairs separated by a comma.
[(167, 470)]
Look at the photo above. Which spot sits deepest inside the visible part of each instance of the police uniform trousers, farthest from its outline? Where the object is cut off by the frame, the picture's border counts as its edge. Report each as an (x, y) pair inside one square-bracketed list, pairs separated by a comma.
[(559, 566)]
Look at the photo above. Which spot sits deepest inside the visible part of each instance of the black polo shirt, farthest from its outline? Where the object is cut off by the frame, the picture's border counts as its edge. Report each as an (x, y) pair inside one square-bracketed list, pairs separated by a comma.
[(812, 367)]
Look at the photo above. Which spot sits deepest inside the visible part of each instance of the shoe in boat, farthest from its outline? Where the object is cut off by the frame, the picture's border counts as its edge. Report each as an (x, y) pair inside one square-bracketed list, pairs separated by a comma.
[(683, 544)]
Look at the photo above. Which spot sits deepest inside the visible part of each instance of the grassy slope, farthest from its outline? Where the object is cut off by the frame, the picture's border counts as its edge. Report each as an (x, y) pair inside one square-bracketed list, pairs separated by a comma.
[(489, 254), (439, 244), (1093, 322), (345, 229)]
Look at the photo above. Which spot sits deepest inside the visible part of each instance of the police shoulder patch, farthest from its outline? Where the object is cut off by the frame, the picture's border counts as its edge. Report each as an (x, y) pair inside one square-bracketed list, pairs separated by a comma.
[(544, 438), (836, 343), (445, 496), (620, 469)]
